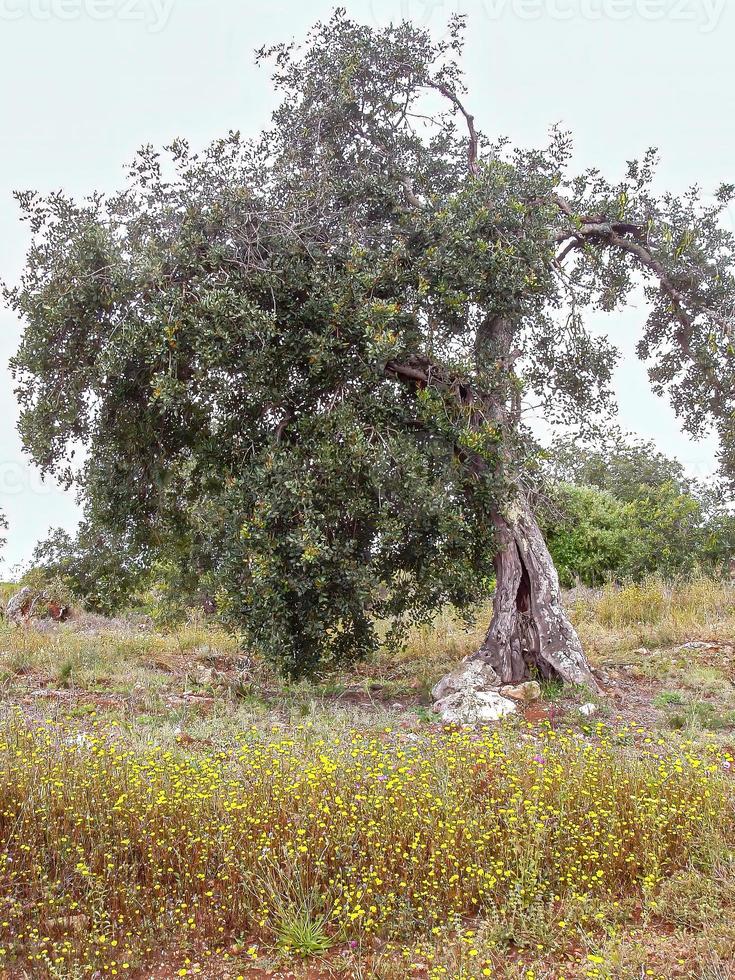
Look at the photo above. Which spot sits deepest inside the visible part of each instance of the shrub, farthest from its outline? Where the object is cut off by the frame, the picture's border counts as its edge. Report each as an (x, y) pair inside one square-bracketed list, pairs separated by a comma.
[(587, 534)]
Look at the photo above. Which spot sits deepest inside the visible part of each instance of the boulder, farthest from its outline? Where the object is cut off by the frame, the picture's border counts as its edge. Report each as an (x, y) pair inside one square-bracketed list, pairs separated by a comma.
[(471, 675), (20, 605), (528, 691), (471, 707), (28, 604)]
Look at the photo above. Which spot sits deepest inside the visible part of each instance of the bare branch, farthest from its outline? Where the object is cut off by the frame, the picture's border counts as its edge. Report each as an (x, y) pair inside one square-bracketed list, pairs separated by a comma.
[(630, 238), (472, 149)]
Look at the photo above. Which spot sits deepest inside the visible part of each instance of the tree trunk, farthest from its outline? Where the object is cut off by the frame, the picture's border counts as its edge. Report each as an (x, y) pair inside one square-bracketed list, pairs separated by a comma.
[(530, 637)]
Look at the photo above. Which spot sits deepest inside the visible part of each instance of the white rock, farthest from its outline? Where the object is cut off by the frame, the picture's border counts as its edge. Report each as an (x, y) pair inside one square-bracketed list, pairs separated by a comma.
[(588, 709), (471, 675), (473, 707)]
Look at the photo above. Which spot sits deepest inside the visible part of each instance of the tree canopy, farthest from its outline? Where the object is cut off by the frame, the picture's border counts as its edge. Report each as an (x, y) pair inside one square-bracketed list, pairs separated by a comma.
[(620, 509), (296, 368)]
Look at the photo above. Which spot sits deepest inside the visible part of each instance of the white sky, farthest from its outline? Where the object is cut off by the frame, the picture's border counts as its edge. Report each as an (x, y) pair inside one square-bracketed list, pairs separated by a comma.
[(85, 82)]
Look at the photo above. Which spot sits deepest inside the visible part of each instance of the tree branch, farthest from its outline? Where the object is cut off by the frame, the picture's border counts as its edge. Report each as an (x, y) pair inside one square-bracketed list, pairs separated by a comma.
[(618, 234), (472, 149)]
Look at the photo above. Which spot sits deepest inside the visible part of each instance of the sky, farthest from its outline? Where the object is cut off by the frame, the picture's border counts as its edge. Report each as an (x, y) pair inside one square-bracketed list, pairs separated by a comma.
[(84, 83)]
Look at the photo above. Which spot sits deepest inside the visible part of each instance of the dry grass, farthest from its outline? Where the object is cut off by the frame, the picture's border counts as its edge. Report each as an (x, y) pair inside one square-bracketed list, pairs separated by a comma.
[(653, 614), (164, 793)]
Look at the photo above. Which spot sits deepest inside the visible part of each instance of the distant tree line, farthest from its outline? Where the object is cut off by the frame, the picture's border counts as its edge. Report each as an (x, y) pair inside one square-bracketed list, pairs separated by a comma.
[(624, 510)]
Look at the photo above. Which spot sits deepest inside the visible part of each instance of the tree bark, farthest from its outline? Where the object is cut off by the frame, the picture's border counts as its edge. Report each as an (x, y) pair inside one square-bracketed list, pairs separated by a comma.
[(530, 635)]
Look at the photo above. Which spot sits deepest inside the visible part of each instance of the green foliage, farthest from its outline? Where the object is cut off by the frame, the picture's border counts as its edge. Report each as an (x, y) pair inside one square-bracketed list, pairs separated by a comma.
[(65, 673), (630, 512), (53, 587), (624, 467), (297, 365), (586, 534), (665, 698), (302, 934), (93, 569), (702, 715)]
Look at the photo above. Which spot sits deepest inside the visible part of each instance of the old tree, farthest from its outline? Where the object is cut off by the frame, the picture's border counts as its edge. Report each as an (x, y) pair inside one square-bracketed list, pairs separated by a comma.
[(298, 368)]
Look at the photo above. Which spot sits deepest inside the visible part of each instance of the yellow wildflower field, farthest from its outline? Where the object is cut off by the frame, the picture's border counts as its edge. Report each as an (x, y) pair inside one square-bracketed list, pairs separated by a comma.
[(386, 843)]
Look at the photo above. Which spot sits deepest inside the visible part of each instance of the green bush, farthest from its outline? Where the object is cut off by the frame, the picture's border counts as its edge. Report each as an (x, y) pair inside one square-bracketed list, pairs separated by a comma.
[(626, 511), (587, 534)]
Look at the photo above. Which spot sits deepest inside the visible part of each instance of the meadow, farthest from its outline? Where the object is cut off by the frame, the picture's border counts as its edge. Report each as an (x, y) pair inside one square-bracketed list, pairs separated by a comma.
[(168, 807)]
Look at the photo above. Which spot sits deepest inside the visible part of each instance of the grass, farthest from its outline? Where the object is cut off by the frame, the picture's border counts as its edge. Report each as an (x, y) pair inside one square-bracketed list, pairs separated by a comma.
[(394, 839), (300, 933), (653, 613), (700, 715), (666, 698), (165, 800)]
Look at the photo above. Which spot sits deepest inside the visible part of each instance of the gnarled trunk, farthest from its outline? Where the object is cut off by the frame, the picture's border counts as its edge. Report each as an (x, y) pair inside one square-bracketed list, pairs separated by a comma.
[(530, 636)]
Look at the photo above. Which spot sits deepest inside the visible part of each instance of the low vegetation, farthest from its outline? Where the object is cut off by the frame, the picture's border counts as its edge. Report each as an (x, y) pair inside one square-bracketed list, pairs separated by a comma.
[(301, 840), (169, 807), (618, 509)]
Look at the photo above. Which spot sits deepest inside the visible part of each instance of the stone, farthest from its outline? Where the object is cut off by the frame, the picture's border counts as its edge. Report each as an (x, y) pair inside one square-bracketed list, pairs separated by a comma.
[(588, 709), (642, 652), (20, 605), (58, 613), (471, 675), (474, 707), (203, 675), (528, 691)]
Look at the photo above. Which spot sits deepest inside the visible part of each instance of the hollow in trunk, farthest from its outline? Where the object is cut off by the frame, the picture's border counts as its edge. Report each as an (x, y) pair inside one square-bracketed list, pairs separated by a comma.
[(530, 636)]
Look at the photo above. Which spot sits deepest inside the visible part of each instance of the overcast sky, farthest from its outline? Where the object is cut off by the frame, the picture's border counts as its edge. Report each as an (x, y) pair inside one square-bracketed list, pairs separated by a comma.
[(85, 82)]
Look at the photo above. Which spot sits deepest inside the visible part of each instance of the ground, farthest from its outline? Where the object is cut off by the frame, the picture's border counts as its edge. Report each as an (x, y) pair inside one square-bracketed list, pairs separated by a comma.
[(93, 707)]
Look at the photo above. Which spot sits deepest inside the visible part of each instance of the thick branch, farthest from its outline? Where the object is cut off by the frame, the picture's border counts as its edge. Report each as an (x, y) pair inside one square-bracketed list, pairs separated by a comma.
[(630, 238), (420, 371)]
